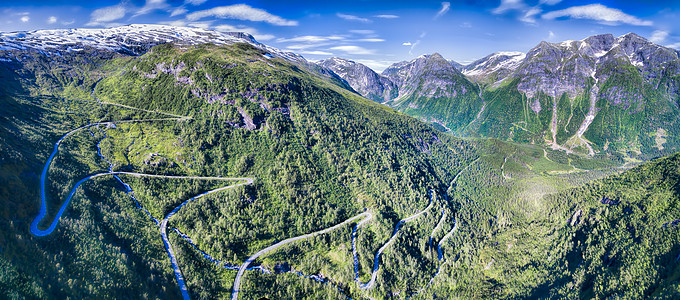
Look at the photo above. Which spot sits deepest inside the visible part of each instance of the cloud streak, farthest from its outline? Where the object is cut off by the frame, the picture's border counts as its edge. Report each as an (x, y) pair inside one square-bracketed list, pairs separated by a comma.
[(107, 14), (315, 52), (597, 12), (387, 16), (150, 6), (658, 36), (353, 18), (351, 49), (446, 6), (507, 5), (311, 39), (249, 30), (241, 12)]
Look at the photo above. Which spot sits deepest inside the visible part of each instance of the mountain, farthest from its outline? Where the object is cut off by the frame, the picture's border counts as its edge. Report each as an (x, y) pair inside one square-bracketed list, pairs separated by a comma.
[(431, 88), (456, 65), (362, 79), (209, 170), (603, 94), (494, 67), (134, 39), (187, 118)]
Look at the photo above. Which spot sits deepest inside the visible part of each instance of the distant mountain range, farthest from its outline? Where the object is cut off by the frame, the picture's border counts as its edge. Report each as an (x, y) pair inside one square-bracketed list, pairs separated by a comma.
[(369, 201), (603, 94), (600, 95)]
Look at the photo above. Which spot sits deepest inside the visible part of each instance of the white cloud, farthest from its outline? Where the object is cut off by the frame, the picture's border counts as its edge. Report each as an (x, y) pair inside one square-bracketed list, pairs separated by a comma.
[(351, 49), (387, 16), (25, 19), (507, 5), (551, 35), (406, 44), (66, 23), (363, 31), (241, 12), (353, 18), (203, 25), (371, 40), (311, 39), (376, 65), (150, 6), (179, 11), (413, 46), (658, 36), (264, 37), (315, 52), (304, 46), (675, 46), (466, 25), (445, 8), (195, 2), (249, 30), (51, 20), (178, 23), (106, 14), (597, 12), (530, 15), (525, 13)]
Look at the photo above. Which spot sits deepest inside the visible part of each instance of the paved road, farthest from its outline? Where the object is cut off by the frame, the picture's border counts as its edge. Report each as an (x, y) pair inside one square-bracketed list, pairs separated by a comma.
[(43, 207), (244, 266), (376, 260), (164, 224), (439, 246), (43, 177), (439, 224)]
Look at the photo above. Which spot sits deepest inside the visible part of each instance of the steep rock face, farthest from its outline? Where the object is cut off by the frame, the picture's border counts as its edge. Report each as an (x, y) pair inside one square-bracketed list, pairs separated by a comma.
[(432, 88), (428, 76), (567, 67), (600, 94), (362, 79), (494, 67)]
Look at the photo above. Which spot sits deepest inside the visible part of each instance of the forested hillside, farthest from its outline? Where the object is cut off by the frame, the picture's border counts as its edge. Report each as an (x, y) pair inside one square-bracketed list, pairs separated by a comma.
[(430, 215)]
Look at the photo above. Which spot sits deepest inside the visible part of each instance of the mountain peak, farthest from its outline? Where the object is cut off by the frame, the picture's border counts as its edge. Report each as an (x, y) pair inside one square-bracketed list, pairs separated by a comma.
[(132, 39), (361, 78), (632, 36)]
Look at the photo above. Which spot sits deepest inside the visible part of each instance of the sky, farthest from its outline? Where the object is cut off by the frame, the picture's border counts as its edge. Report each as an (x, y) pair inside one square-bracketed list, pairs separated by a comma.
[(375, 33)]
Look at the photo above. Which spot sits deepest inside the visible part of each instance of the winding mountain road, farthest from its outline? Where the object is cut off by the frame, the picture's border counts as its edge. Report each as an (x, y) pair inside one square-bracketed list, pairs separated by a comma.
[(244, 266), (164, 227), (43, 202), (376, 260), (365, 216), (35, 230)]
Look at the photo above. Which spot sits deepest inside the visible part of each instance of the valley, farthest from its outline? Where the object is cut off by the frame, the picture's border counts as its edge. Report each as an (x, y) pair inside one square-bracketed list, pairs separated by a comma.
[(175, 162)]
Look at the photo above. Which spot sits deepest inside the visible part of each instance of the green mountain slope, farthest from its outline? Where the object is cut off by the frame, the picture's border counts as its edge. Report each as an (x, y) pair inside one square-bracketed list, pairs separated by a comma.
[(251, 116), (454, 218), (432, 89)]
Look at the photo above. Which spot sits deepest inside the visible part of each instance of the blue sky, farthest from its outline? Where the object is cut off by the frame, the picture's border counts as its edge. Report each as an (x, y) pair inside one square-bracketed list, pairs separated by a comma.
[(376, 33)]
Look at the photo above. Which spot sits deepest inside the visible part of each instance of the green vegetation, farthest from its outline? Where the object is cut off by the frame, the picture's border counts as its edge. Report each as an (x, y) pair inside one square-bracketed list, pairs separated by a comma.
[(319, 155)]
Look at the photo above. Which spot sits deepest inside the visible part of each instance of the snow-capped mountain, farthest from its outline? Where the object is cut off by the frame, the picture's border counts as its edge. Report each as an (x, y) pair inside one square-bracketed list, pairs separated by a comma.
[(496, 66), (432, 88), (567, 67), (132, 39), (427, 76), (362, 79)]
